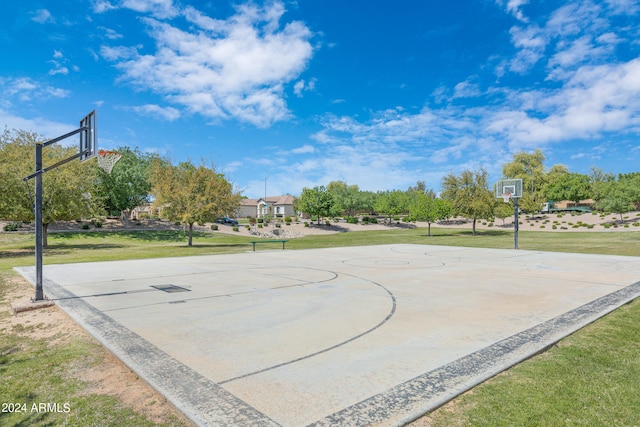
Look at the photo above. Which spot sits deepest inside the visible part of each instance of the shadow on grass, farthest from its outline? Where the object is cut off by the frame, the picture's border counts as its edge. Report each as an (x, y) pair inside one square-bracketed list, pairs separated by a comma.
[(479, 233), (65, 248), (145, 235), (197, 245), (17, 253)]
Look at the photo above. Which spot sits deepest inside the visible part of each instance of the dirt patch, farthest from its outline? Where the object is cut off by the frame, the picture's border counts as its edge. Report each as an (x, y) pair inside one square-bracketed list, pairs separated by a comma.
[(109, 376)]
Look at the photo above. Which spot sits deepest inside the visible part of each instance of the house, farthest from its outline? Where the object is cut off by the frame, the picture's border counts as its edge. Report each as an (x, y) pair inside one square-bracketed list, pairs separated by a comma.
[(274, 206)]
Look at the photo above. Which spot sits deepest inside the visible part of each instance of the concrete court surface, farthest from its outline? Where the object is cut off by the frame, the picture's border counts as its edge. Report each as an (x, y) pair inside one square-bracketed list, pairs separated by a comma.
[(374, 335)]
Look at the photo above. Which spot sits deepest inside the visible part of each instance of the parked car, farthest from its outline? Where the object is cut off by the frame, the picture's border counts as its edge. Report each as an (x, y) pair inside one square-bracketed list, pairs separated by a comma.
[(226, 220)]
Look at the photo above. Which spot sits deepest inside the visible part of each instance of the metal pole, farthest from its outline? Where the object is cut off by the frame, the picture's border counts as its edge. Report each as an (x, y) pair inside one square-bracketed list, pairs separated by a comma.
[(38, 223), (515, 223)]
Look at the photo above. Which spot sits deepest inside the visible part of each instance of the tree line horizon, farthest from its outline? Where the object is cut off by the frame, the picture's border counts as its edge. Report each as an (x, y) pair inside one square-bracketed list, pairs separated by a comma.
[(190, 193)]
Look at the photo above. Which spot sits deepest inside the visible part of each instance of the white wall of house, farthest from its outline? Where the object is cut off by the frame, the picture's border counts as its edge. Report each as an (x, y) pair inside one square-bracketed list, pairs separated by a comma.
[(277, 206)]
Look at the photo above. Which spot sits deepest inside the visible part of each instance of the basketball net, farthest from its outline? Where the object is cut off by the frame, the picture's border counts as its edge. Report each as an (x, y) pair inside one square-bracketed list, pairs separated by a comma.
[(506, 197), (107, 159)]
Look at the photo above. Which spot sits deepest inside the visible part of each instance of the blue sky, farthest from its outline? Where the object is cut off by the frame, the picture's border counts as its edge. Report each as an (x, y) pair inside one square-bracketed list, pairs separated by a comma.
[(300, 93)]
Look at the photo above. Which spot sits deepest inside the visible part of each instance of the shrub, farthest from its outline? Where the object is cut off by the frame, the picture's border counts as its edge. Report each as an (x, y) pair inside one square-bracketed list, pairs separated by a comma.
[(287, 219), (97, 223), (236, 228), (554, 227), (214, 227), (12, 226), (259, 225), (260, 220), (306, 224), (636, 224), (278, 225), (327, 222), (352, 220), (85, 226)]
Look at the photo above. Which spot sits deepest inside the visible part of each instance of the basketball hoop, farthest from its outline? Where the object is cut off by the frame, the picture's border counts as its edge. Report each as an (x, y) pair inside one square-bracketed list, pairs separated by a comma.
[(506, 197), (107, 159)]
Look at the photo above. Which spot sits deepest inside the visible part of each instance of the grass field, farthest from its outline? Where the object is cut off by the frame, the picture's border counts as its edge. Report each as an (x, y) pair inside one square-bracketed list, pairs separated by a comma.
[(591, 378)]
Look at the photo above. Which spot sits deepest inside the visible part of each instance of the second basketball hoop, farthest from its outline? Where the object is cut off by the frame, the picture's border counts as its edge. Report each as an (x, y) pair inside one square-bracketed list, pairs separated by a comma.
[(509, 189)]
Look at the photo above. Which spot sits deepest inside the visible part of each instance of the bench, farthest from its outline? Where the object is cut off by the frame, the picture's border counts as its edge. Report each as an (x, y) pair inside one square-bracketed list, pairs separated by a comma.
[(253, 242)]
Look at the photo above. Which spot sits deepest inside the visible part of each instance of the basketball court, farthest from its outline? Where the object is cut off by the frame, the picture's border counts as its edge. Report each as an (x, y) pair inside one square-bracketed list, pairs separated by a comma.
[(374, 335)]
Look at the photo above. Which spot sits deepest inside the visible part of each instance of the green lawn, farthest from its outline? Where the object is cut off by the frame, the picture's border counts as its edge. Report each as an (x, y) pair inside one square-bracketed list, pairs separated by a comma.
[(590, 378)]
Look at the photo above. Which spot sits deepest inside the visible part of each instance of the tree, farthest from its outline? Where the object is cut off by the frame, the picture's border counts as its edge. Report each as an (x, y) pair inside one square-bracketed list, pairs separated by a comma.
[(423, 207), (632, 183), (531, 203), (599, 181), (16, 162), (555, 173), (347, 197), (128, 185), (318, 202), (67, 191), (191, 194), (469, 195), (503, 210), (392, 203), (618, 197), (368, 201), (569, 186), (529, 167)]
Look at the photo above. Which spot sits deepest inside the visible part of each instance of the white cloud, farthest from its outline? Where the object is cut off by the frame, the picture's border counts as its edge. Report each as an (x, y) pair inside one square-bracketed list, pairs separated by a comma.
[(42, 16), (232, 167), (595, 100), (102, 6), (161, 9), (624, 6), (531, 42), (24, 89), (167, 113), (301, 86), (466, 89), (574, 33), (47, 128), (305, 149), (222, 69), (110, 33), (58, 69), (514, 8)]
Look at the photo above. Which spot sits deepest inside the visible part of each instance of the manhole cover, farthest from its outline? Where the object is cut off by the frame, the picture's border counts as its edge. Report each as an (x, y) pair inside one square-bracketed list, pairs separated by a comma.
[(170, 288)]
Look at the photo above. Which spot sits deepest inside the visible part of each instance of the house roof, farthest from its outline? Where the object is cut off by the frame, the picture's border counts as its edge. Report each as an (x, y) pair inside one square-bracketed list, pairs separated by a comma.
[(248, 202), (280, 200), (275, 200)]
